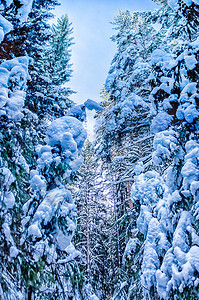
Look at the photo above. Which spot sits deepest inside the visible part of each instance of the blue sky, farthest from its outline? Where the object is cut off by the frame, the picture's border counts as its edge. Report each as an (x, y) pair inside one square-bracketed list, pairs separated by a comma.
[(93, 49)]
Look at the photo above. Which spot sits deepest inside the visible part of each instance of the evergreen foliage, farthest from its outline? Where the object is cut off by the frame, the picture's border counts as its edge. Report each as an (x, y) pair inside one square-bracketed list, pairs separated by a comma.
[(91, 238), (152, 97), (37, 213), (50, 69), (129, 201)]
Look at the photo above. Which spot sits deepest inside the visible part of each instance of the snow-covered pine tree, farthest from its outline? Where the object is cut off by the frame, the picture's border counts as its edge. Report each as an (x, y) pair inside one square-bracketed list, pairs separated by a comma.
[(47, 95), (37, 213), (167, 227), (85, 206), (123, 135), (91, 237), (50, 215), (58, 67), (14, 167), (37, 39)]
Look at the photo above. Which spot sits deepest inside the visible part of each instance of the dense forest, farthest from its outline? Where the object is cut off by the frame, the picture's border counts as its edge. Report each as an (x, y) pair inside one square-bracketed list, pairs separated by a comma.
[(116, 218)]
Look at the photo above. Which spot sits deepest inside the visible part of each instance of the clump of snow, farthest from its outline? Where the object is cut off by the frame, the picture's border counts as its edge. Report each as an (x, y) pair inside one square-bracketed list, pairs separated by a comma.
[(180, 262), (72, 253), (161, 122), (33, 230), (13, 251), (8, 177), (147, 186), (4, 74), (61, 126), (57, 203), (50, 204), (162, 59), (180, 238), (76, 164), (193, 257), (13, 78), (78, 112), (149, 267), (7, 232), (15, 104), (109, 81), (190, 61), (131, 247), (45, 156), (17, 78), (144, 218), (139, 168), (8, 199), (190, 170), (5, 27), (24, 10), (66, 137), (21, 61), (188, 109), (68, 143), (187, 112), (38, 184), (190, 88), (166, 145), (91, 104), (161, 284)]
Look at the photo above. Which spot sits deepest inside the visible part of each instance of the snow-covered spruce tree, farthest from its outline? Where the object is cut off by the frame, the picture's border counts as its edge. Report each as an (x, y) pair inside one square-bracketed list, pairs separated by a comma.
[(50, 70), (58, 68), (167, 227), (91, 237), (37, 217), (14, 167), (38, 36), (50, 215), (123, 135)]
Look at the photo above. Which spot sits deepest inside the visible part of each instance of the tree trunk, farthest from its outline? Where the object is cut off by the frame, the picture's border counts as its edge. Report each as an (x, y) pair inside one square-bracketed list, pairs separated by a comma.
[(88, 233), (30, 294)]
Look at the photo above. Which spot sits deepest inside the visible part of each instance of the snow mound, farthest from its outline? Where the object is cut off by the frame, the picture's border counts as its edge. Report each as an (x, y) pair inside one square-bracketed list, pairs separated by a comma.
[(63, 125)]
